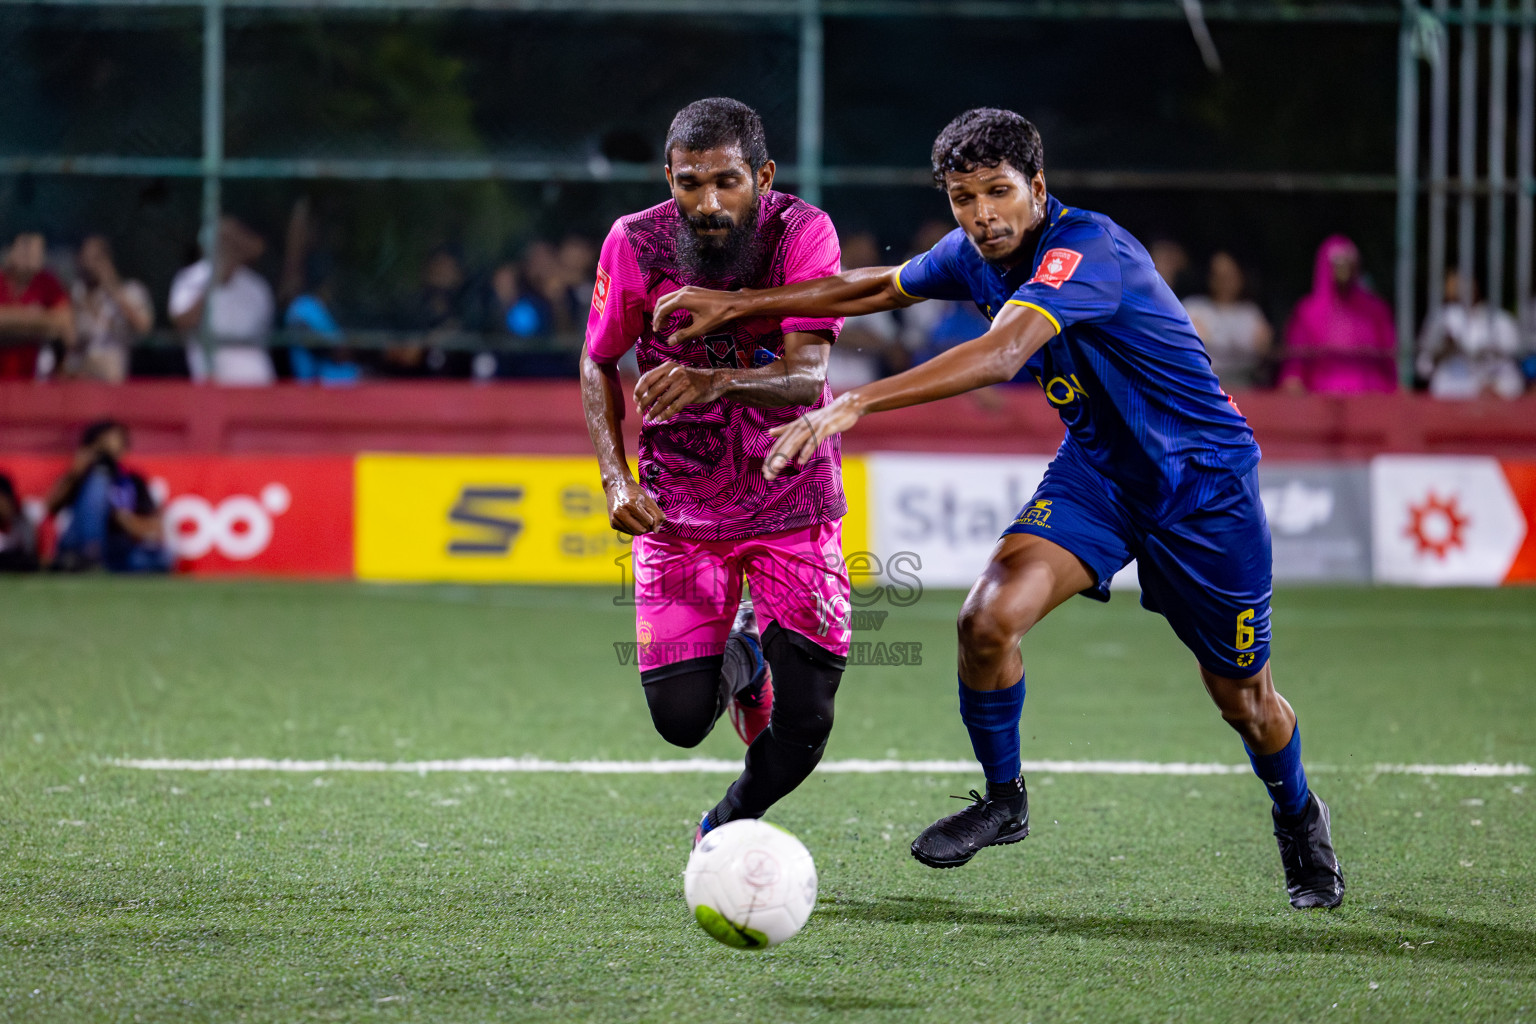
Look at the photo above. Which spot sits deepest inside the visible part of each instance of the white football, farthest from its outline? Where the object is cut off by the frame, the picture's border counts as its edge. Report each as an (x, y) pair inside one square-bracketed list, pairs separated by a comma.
[(750, 884)]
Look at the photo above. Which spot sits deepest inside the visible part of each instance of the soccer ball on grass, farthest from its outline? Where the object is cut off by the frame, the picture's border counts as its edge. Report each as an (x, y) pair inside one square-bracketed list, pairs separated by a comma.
[(750, 884)]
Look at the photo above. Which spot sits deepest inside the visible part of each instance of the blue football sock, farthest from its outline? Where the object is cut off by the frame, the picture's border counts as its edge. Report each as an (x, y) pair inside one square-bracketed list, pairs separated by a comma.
[(1282, 773), (992, 718)]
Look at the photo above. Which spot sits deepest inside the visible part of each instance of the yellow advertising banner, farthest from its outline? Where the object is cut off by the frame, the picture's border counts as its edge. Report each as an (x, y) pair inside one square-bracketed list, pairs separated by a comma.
[(471, 519), (512, 519), (856, 532)]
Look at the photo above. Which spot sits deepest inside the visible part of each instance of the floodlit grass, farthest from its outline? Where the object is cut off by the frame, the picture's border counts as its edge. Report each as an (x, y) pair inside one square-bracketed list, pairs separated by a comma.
[(130, 895)]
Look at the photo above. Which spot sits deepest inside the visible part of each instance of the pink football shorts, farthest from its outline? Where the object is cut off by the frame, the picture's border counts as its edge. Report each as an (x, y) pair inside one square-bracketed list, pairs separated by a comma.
[(687, 591)]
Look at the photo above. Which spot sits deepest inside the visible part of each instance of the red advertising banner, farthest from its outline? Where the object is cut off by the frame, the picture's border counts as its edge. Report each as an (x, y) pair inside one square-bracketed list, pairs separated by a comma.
[(1522, 483), (229, 514)]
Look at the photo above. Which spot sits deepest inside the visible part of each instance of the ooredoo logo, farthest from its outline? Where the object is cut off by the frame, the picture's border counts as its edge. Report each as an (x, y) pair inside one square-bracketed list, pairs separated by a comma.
[(239, 527)]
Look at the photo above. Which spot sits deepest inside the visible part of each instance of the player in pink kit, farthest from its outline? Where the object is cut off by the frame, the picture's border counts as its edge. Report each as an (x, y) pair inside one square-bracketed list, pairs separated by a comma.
[(702, 515)]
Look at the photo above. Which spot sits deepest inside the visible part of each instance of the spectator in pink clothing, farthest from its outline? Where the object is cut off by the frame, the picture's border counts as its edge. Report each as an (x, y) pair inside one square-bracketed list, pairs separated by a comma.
[(1340, 340)]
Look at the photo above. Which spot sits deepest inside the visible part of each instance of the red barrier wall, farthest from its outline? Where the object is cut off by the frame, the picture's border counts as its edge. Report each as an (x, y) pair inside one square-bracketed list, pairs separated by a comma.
[(544, 417)]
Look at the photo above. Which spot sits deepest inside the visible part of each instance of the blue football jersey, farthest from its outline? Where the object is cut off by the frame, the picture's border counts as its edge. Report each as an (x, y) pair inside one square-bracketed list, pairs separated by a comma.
[(1126, 370)]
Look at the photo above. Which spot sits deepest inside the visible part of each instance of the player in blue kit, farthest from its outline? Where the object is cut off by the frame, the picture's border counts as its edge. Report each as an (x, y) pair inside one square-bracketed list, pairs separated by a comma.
[(1158, 465)]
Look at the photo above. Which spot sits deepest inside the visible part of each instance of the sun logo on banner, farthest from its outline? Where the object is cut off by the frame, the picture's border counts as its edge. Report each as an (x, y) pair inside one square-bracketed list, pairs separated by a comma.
[(1437, 525)]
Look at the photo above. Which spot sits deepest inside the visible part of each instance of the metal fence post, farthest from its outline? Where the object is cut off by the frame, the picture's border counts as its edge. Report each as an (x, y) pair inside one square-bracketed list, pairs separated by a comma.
[(1525, 135), (1498, 83), (1439, 160), (213, 162), (812, 47), (1407, 186), (1466, 157)]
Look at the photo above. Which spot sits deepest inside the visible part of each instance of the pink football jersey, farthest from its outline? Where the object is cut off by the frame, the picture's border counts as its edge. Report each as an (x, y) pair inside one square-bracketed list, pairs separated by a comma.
[(704, 466)]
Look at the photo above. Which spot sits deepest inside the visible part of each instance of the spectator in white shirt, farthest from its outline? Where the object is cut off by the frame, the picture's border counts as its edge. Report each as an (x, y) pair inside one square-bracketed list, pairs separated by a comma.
[(242, 311), (1236, 334), (1467, 351), (110, 315)]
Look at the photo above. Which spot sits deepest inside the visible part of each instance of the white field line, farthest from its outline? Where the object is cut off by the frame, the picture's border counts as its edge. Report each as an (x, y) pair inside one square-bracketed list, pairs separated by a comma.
[(702, 765)]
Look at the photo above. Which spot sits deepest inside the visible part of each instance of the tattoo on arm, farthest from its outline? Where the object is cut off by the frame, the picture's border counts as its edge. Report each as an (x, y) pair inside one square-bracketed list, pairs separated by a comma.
[(773, 386), (795, 378)]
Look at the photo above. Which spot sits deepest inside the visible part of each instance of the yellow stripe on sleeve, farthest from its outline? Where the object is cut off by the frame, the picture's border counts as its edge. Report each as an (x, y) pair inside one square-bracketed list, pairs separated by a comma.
[(898, 283), (1038, 309)]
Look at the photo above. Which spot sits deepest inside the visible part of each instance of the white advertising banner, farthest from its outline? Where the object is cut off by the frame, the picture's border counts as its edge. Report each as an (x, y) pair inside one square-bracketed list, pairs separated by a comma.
[(1443, 520), (1319, 520), (947, 511)]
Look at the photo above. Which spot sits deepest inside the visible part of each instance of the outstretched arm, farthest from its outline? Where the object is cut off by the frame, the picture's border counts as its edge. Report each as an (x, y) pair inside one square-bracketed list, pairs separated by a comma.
[(795, 378), (996, 356), (851, 293)]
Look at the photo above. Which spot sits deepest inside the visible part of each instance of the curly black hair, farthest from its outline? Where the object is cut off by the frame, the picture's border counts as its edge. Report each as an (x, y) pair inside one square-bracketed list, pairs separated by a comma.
[(985, 137), (719, 121)]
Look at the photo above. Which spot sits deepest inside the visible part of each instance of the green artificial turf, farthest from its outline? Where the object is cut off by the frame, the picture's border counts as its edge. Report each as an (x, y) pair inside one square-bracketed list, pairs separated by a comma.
[(129, 895)]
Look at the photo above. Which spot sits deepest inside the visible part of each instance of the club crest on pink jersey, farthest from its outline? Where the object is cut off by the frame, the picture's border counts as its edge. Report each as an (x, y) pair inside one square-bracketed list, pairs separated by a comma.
[(600, 290), (721, 349), (1057, 267)]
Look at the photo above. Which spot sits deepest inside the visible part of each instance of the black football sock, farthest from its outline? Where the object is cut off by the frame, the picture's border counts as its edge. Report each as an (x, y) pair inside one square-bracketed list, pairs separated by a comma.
[(805, 680), (1010, 793)]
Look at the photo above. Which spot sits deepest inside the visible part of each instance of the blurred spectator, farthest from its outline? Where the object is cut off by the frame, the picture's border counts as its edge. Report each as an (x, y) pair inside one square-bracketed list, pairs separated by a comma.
[(110, 315), (114, 521), (441, 310), (546, 297), (242, 310), (513, 311), (309, 317), (1528, 359), (1340, 339), (1470, 350), (34, 310), (306, 291), (919, 322), (1172, 263), (550, 288), (578, 262), (1234, 329), (18, 537), (960, 322), (870, 346)]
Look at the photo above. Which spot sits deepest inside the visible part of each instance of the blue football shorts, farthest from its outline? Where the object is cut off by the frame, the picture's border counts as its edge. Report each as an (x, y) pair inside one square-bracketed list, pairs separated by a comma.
[(1208, 573)]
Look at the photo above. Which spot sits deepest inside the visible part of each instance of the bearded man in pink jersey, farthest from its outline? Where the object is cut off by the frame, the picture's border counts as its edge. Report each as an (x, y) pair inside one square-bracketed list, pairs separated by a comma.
[(702, 515)]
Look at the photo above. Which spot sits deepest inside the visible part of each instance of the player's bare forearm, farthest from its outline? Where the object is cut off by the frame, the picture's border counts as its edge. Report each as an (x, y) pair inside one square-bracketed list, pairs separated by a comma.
[(795, 378), (630, 509), (769, 387), (851, 293), (602, 399), (994, 357), (990, 359)]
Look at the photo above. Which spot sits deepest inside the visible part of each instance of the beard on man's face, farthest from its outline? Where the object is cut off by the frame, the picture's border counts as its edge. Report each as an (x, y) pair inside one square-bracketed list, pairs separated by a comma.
[(733, 256)]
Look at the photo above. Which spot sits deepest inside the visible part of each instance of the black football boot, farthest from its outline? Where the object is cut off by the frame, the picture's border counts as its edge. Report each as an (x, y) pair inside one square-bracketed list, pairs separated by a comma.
[(1000, 817), (1312, 876)]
